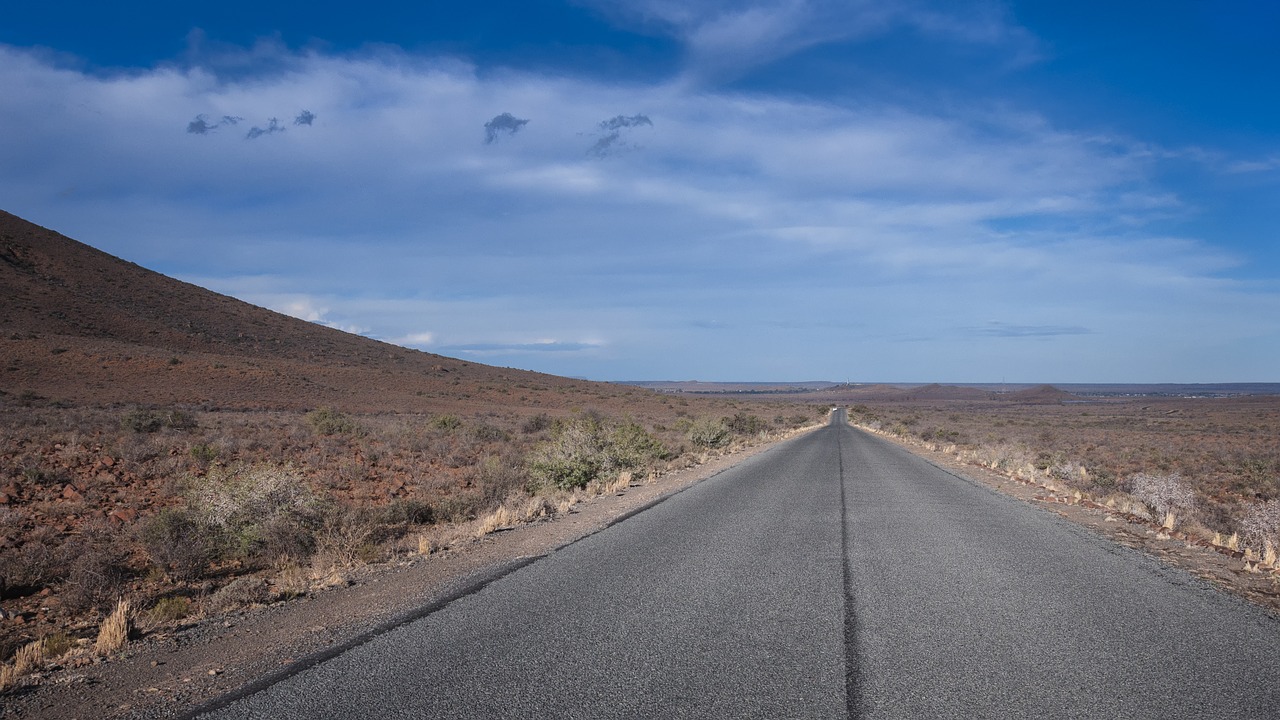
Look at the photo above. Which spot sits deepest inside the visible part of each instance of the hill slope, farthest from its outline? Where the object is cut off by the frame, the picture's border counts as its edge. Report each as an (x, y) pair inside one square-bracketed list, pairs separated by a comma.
[(81, 326)]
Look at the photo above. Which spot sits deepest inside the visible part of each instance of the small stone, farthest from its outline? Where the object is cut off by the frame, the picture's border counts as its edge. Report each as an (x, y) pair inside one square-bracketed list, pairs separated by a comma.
[(214, 672)]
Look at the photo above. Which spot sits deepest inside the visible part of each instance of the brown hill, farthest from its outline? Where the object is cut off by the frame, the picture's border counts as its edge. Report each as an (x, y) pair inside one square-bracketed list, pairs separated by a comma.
[(1039, 394), (80, 326)]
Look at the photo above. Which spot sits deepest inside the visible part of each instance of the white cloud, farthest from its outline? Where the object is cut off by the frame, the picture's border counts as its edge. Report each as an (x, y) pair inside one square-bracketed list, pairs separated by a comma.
[(391, 214), (726, 38)]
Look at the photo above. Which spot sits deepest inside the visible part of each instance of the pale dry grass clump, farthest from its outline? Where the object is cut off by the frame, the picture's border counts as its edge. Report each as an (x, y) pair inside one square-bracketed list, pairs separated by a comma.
[(30, 657), (514, 512), (114, 633), (8, 677), (33, 657)]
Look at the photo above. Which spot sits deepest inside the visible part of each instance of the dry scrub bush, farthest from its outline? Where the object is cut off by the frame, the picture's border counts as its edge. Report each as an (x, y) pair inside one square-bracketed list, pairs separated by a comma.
[(1261, 526), (327, 421), (1002, 456), (582, 449), (259, 511), (1167, 496), (708, 433), (241, 592)]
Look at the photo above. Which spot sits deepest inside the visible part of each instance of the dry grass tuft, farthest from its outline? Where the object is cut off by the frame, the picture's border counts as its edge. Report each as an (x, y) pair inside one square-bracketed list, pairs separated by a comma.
[(28, 658), (8, 677), (512, 513), (425, 546), (114, 633)]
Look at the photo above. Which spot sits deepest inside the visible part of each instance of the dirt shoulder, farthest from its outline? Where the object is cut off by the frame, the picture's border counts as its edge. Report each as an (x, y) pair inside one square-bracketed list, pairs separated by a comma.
[(1224, 569), (166, 675)]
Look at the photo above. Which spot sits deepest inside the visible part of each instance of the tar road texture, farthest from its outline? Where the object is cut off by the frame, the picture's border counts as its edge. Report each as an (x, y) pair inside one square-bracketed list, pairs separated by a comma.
[(835, 576)]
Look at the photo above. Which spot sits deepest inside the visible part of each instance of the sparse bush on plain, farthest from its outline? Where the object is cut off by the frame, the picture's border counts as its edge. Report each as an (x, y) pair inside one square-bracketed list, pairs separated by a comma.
[(485, 432), (582, 449), (573, 457), (57, 644), (536, 424), (169, 610), (708, 433), (204, 453), (745, 424), (180, 541), (446, 422), (241, 592), (1163, 494), (95, 579), (258, 512), (141, 420), (327, 421), (1260, 525)]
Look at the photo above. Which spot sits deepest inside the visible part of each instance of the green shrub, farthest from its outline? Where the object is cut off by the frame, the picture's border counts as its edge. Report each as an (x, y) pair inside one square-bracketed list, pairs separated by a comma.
[(408, 512), (57, 644), (630, 446), (485, 432), (582, 449), (744, 424), (142, 421), (169, 609), (328, 421), (258, 512), (446, 422), (708, 433), (204, 453), (573, 457), (536, 424)]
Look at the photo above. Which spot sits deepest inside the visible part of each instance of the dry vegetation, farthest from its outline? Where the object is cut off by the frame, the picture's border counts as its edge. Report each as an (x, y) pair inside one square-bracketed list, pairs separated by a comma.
[(1206, 468), (180, 514)]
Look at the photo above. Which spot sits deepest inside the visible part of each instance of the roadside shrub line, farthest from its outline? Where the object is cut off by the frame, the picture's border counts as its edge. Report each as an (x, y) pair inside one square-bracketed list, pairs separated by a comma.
[(1158, 502)]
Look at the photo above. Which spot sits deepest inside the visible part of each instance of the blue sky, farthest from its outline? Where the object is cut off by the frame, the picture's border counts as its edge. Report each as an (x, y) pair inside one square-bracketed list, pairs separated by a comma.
[(663, 189)]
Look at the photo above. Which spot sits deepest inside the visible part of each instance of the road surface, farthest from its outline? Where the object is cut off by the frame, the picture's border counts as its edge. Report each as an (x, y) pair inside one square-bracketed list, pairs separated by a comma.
[(835, 576)]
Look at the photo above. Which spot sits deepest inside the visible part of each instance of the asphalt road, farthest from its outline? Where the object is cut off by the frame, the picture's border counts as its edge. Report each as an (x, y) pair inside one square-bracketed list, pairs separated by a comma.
[(833, 576)]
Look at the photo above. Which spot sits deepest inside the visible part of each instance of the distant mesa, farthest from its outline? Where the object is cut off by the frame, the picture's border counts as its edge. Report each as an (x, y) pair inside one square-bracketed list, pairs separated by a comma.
[(1040, 394)]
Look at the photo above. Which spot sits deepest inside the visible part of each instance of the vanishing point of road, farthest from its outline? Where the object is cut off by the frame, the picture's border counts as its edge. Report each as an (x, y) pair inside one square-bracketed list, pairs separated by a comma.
[(834, 576)]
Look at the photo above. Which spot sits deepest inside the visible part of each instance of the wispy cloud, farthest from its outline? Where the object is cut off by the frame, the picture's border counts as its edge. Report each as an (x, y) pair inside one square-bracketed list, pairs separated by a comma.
[(544, 346), (613, 130), (1007, 330), (201, 125), (273, 126), (504, 124), (726, 38)]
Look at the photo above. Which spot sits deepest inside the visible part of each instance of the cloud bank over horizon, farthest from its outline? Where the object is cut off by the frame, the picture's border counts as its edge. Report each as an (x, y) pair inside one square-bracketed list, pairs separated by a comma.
[(698, 225)]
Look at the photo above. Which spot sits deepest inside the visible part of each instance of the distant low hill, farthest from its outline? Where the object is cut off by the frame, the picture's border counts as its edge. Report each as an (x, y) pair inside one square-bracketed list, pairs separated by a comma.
[(78, 325)]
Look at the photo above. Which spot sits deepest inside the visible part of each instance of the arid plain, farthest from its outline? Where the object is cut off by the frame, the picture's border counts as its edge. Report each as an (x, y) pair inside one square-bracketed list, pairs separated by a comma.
[(169, 455)]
